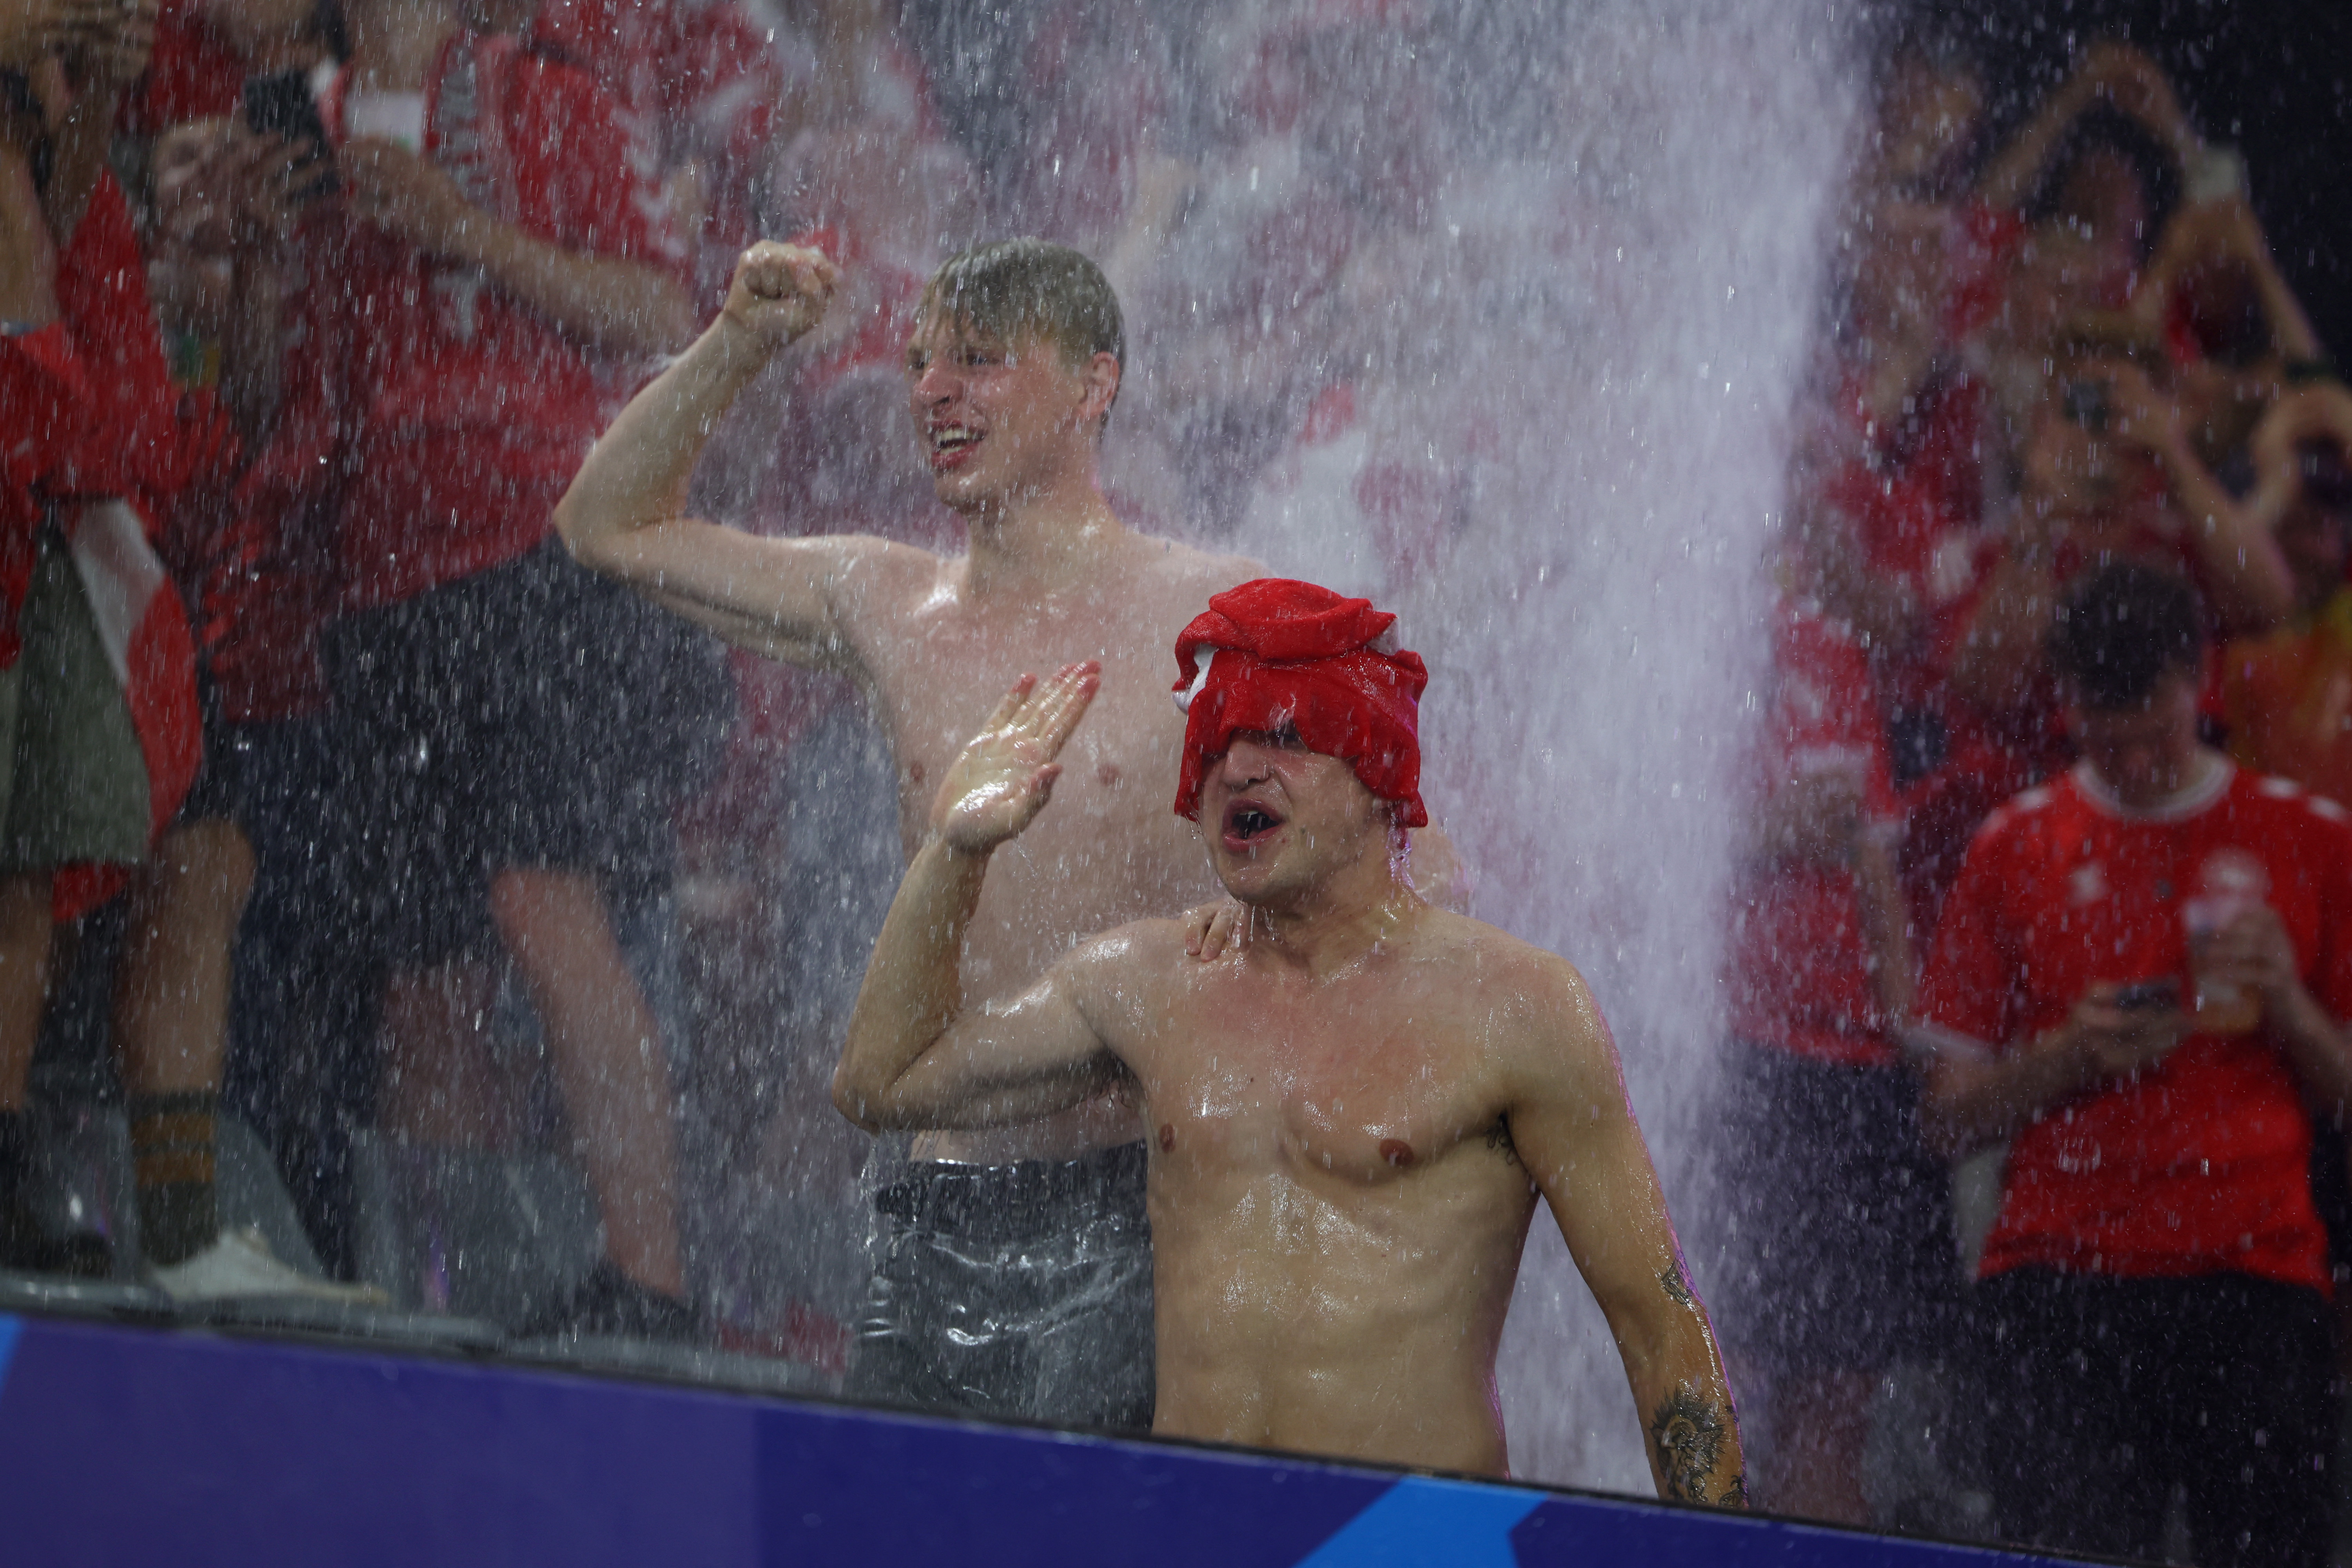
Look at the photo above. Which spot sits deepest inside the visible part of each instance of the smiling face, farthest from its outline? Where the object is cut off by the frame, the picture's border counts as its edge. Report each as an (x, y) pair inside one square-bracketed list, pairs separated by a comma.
[(1001, 422), (1279, 820)]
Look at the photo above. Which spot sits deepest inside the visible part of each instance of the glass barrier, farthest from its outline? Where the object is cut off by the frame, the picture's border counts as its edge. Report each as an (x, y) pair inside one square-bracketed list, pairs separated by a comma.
[(535, 529)]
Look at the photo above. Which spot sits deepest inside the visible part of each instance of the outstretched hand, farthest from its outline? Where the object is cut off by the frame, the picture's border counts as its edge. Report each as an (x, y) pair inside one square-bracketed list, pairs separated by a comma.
[(779, 292), (1003, 776)]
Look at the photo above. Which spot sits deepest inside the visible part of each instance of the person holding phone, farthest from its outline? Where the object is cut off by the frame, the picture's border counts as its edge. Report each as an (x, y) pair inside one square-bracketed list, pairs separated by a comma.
[(509, 732), (2139, 981)]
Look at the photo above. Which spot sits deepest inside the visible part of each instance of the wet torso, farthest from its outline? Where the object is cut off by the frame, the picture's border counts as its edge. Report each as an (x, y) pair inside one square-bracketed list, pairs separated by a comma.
[(1337, 1206), (1109, 848)]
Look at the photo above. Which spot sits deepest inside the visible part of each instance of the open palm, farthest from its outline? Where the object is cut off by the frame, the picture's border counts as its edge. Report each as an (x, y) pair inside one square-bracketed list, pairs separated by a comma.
[(1003, 776)]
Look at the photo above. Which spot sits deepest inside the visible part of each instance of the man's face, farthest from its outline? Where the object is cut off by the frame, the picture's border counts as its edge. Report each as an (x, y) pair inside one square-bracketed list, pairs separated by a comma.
[(1279, 819), (2147, 752), (997, 422)]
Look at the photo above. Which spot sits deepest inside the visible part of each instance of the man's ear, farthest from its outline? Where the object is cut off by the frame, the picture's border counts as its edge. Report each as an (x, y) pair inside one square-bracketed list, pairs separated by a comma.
[(1102, 374)]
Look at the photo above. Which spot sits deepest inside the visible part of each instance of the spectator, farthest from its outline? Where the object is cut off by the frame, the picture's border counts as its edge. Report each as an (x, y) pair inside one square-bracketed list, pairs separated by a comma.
[(102, 762), (508, 727), (2137, 983), (2108, 474), (1842, 1224), (2287, 698)]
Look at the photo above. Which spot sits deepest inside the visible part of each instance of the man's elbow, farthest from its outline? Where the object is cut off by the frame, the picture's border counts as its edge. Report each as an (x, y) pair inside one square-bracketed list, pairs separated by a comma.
[(851, 1098)]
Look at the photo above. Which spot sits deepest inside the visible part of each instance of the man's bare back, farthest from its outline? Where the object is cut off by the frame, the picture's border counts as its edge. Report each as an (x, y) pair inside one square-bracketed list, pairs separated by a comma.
[(1349, 1118)]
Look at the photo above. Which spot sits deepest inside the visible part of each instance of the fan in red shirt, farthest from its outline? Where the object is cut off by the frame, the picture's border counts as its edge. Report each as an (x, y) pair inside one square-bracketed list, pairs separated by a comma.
[(507, 726), (2136, 981), (1842, 1228)]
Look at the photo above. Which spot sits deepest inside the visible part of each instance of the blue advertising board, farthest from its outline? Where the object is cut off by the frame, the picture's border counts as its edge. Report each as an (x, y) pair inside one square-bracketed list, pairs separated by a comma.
[(122, 1445)]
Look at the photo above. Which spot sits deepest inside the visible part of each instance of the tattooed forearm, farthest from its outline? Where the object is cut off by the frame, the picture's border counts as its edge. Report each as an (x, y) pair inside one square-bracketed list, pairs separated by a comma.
[(1687, 1435), (1676, 1287)]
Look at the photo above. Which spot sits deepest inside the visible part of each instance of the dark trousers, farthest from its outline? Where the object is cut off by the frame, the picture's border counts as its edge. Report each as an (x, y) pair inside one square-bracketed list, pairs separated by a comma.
[(2107, 1393)]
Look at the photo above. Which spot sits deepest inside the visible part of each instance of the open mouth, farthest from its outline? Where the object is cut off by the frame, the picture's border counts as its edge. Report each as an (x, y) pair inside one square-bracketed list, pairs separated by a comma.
[(1248, 824), (950, 444)]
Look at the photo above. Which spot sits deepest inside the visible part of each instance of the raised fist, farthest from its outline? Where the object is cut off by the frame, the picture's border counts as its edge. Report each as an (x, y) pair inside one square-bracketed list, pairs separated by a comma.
[(780, 291)]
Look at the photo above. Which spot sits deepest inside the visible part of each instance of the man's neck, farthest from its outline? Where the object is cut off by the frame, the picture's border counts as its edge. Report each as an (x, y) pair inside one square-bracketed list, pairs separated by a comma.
[(1043, 542), (2195, 787), (1338, 922)]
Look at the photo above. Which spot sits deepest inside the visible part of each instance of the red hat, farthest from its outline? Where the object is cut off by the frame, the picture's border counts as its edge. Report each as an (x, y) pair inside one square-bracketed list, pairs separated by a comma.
[(1275, 653)]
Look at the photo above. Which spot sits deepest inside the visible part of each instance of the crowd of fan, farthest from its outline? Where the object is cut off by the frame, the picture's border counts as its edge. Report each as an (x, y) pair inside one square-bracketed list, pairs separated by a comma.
[(310, 314), (2048, 860)]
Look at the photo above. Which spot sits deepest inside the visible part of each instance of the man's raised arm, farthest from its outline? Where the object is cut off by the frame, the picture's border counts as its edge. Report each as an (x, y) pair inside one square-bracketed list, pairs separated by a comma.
[(1574, 1130), (913, 1058), (625, 513)]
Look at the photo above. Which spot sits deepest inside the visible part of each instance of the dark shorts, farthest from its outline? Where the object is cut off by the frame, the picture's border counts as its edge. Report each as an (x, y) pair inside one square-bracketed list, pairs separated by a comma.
[(1841, 1256), (73, 779), (2105, 1394), (532, 715), (1020, 1292)]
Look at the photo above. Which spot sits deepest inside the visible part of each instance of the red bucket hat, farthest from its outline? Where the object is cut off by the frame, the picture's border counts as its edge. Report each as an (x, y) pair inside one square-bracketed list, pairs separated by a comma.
[(1275, 652)]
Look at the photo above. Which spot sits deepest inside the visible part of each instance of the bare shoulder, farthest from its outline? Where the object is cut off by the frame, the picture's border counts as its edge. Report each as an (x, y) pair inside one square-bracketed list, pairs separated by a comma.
[(873, 583), (1123, 978), (1189, 573), (869, 566), (1538, 997)]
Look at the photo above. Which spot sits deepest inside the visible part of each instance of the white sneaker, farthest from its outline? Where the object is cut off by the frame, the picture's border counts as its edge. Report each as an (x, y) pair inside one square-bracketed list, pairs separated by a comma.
[(240, 1264)]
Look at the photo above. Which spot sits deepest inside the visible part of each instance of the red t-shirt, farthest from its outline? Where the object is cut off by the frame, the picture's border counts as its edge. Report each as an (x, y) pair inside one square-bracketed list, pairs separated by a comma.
[(446, 417), (1800, 966), (2202, 1165)]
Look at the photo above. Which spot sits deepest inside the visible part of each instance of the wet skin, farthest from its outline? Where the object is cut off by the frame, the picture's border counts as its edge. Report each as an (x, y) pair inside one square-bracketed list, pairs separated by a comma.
[(1008, 434), (1352, 1117)]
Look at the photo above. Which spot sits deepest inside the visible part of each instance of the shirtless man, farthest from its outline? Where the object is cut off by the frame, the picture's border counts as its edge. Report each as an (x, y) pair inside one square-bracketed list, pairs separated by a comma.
[(1353, 1114), (1013, 1273)]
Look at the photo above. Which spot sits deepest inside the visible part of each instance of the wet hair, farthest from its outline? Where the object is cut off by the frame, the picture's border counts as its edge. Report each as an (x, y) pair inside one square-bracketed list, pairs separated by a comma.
[(2121, 630), (1011, 288)]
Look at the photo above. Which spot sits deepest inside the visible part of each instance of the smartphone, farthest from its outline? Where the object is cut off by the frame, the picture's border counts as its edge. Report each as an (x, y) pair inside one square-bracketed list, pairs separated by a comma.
[(2148, 996), (280, 105), (2086, 404)]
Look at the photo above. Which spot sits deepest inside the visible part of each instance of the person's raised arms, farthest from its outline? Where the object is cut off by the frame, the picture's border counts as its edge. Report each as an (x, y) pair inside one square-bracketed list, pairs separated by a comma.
[(915, 1058), (608, 301), (624, 514), (1574, 1131)]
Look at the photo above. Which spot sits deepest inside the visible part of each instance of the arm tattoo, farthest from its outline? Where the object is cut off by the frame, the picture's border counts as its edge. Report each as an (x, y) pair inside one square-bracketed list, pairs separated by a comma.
[(1499, 1138), (1687, 1433), (1676, 1287)]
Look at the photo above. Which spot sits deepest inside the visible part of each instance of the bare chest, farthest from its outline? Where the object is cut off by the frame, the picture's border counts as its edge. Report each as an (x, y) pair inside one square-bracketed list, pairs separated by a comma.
[(1340, 1099)]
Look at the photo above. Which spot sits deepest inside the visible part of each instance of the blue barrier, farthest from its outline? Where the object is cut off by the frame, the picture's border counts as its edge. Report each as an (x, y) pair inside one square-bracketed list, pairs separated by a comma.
[(129, 1446)]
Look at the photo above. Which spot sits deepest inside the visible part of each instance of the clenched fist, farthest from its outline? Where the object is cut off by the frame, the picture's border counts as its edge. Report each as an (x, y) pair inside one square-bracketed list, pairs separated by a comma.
[(779, 292)]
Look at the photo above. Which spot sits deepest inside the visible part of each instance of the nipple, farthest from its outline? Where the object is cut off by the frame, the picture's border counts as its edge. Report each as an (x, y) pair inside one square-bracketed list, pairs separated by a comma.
[(1396, 1151)]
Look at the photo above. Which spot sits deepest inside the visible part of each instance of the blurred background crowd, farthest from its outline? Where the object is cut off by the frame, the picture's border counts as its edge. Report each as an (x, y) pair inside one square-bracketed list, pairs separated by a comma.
[(312, 309)]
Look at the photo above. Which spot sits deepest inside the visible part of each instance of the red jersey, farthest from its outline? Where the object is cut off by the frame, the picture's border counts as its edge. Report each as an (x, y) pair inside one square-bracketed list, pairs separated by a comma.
[(2201, 1165), (445, 417), (1799, 964)]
